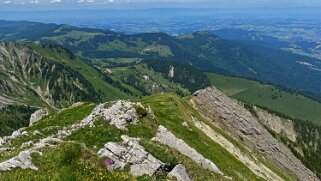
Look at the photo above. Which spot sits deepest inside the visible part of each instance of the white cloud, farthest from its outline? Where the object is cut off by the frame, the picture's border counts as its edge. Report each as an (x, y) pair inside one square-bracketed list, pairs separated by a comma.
[(55, 1), (111, 1), (7, 2), (34, 2), (85, 1)]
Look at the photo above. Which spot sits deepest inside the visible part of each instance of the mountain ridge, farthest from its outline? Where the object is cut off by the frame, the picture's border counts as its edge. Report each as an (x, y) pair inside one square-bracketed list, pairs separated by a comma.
[(146, 124), (201, 49)]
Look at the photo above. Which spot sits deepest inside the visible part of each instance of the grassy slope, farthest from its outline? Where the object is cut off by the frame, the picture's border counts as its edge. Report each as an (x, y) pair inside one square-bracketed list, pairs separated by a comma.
[(252, 92), (77, 159), (68, 161), (163, 106), (71, 161), (91, 74)]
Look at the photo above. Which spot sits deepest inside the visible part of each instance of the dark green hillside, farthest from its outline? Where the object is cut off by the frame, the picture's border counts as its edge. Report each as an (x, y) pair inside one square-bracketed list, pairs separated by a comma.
[(201, 49), (267, 96), (146, 77), (100, 81), (23, 30), (31, 78), (51, 76), (14, 117), (255, 62), (190, 77)]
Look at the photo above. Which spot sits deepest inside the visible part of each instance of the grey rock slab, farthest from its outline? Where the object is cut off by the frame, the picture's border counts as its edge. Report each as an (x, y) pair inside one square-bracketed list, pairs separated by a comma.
[(179, 172), (130, 152), (167, 138), (37, 116), (233, 118), (23, 159)]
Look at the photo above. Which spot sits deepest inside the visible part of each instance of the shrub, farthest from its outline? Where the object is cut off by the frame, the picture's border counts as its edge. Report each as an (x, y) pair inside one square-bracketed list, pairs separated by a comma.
[(141, 111), (71, 152)]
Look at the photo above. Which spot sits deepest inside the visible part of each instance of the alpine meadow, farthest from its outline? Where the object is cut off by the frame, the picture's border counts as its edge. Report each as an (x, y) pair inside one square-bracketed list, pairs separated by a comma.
[(160, 90)]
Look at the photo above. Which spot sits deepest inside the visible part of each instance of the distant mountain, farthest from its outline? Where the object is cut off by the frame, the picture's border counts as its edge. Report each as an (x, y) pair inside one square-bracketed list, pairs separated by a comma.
[(262, 136), (34, 75), (201, 49), (26, 77), (253, 37), (49, 76)]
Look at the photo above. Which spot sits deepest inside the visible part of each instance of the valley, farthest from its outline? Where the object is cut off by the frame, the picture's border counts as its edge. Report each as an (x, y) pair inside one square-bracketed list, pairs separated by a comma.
[(95, 104)]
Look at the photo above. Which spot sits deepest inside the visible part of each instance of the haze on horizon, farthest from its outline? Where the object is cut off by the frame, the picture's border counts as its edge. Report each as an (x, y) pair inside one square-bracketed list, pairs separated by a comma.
[(31, 5)]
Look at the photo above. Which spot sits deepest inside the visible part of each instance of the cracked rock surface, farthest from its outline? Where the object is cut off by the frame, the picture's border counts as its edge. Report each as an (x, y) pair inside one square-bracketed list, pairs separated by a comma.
[(179, 172), (132, 153), (120, 113), (23, 159), (37, 116), (232, 117), (167, 138), (15, 134)]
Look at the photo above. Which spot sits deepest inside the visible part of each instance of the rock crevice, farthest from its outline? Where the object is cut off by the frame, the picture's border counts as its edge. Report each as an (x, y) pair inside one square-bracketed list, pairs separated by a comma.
[(132, 153), (167, 138), (232, 117)]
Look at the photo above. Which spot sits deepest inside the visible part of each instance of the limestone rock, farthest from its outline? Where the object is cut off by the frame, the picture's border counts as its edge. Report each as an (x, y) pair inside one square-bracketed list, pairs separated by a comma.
[(119, 114), (179, 172), (171, 72), (15, 134), (232, 117), (279, 125), (167, 138), (36, 132), (132, 153), (151, 112), (248, 160), (23, 159), (36, 116), (76, 105), (26, 144), (185, 124), (145, 77)]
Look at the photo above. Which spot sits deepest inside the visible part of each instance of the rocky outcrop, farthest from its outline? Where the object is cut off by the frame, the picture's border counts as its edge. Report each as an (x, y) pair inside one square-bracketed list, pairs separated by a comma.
[(130, 152), (284, 127), (179, 172), (167, 138), (15, 134), (247, 159), (23, 159), (38, 115), (171, 72), (118, 113), (26, 144), (232, 117)]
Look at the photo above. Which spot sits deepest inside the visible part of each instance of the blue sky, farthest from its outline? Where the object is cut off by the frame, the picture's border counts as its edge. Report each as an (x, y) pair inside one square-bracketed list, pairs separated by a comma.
[(74, 4)]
